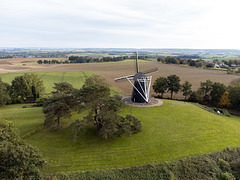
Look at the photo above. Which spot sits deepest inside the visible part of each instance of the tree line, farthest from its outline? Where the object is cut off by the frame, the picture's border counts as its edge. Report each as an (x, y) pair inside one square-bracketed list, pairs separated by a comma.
[(86, 59), (175, 60), (199, 63), (52, 61), (209, 93), (25, 88)]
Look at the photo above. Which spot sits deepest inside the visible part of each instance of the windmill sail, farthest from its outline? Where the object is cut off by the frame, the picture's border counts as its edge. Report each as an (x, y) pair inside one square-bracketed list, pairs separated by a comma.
[(141, 84)]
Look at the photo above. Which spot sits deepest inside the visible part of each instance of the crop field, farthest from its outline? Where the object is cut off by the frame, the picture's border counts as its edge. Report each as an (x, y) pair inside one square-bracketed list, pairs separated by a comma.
[(171, 131), (112, 70)]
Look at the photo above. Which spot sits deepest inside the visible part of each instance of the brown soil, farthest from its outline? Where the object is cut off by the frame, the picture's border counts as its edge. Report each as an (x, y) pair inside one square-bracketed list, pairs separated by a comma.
[(109, 71), (25, 60)]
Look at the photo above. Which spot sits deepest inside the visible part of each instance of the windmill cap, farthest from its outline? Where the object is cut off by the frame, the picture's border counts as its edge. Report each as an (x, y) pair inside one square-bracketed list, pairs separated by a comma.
[(139, 75)]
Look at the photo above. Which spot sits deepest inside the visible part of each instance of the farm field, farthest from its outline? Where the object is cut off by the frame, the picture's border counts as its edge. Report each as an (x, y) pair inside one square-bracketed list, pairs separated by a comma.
[(171, 131), (111, 70), (20, 61)]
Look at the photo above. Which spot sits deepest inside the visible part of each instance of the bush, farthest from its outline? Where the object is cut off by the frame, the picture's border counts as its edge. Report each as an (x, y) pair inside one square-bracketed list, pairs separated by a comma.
[(227, 176)]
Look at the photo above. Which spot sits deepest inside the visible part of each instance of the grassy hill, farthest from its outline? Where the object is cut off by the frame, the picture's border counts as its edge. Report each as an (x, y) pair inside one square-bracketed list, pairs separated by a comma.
[(171, 131)]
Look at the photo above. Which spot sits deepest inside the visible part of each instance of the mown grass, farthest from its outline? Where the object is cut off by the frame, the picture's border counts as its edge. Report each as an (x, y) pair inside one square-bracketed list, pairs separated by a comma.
[(25, 119), (76, 78), (171, 131)]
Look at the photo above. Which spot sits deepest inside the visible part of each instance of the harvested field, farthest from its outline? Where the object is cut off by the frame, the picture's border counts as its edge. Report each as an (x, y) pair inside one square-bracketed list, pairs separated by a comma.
[(109, 71), (25, 60)]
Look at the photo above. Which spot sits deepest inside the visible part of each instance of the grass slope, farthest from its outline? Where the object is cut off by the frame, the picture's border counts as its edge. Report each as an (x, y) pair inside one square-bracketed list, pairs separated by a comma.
[(171, 131), (25, 119)]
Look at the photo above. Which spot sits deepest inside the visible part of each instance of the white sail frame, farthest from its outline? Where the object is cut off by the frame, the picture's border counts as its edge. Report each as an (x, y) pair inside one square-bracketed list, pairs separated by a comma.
[(146, 89)]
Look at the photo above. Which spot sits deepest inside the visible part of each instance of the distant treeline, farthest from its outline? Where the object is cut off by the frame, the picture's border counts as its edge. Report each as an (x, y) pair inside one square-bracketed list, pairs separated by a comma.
[(52, 61), (190, 62), (86, 59), (6, 57), (197, 63)]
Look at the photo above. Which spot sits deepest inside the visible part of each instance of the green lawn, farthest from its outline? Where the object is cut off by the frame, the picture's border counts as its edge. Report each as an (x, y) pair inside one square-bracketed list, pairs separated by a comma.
[(25, 119), (76, 78), (171, 131)]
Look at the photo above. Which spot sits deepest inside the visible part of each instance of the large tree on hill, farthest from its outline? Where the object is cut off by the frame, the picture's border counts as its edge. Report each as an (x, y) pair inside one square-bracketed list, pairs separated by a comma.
[(173, 84), (102, 110), (60, 105), (160, 85), (186, 89), (28, 85), (18, 160), (56, 107)]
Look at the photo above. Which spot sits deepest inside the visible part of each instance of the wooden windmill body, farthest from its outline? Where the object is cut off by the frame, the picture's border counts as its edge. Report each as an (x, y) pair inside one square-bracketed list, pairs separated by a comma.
[(141, 84)]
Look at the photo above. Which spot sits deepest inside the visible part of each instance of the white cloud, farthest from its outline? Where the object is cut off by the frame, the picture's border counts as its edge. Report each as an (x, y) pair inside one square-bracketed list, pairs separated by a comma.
[(120, 23)]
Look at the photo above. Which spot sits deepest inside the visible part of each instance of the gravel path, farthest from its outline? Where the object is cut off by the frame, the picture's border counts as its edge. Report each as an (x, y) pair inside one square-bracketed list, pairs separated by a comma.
[(151, 103)]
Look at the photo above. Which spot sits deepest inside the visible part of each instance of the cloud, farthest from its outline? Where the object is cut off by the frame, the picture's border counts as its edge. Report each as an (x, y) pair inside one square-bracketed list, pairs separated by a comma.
[(120, 23)]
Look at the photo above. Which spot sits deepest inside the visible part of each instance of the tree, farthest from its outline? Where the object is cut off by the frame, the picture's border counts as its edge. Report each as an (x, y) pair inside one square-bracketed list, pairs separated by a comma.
[(56, 107), (225, 101), (206, 88), (234, 96), (102, 110), (193, 97), (28, 85), (173, 84), (186, 89), (18, 160), (18, 90), (216, 93), (160, 85), (39, 61), (4, 93)]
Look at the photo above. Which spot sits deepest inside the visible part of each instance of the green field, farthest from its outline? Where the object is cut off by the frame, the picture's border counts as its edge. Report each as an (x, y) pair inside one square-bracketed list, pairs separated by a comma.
[(211, 57), (171, 131), (76, 78)]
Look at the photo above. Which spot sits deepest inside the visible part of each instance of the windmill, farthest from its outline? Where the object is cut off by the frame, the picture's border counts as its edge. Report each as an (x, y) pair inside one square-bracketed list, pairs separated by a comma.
[(141, 84)]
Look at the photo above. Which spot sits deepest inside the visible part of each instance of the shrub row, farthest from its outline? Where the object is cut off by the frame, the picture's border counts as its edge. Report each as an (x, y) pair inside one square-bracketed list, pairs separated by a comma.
[(219, 165)]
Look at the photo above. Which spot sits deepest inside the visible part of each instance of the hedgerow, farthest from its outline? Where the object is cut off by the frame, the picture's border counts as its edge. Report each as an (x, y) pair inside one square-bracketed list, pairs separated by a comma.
[(219, 165)]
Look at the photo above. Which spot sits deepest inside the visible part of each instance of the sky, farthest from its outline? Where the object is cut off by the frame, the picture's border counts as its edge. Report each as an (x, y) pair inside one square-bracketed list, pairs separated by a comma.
[(203, 24)]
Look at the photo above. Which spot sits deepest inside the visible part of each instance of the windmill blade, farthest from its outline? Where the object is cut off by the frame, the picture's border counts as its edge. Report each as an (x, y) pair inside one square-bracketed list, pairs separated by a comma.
[(137, 68), (124, 78), (150, 71)]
